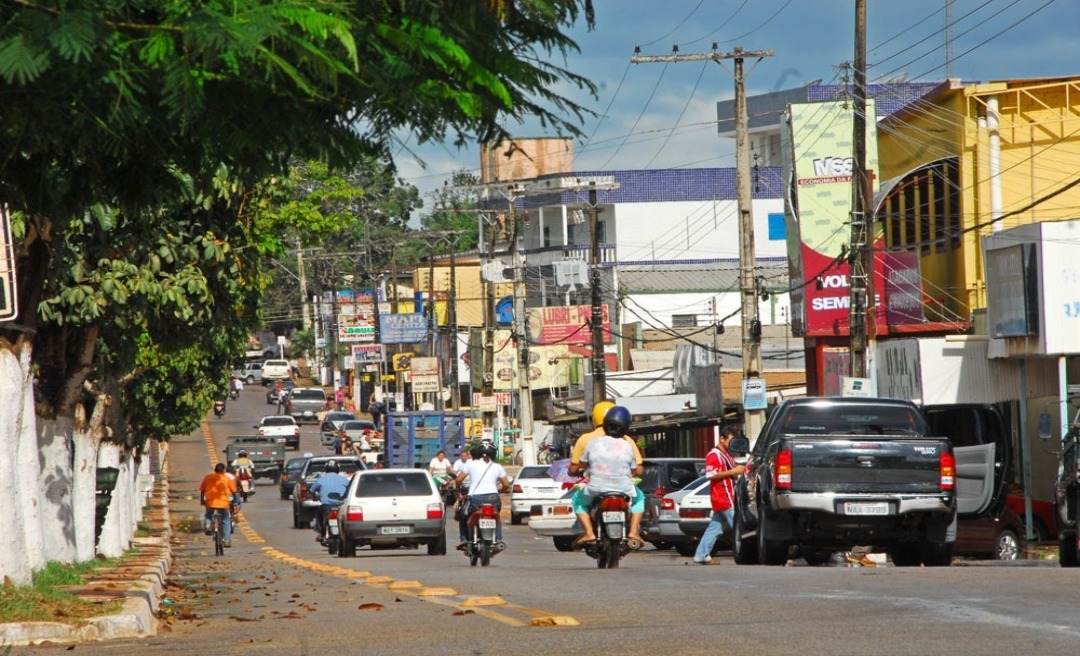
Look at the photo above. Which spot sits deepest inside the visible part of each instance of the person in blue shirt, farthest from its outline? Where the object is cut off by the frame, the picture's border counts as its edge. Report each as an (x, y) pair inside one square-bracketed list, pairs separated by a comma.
[(330, 487)]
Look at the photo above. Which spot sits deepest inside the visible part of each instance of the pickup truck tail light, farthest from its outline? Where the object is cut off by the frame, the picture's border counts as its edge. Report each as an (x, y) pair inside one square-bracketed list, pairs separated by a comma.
[(434, 511), (354, 513), (783, 470), (517, 489), (303, 495), (948, 471)]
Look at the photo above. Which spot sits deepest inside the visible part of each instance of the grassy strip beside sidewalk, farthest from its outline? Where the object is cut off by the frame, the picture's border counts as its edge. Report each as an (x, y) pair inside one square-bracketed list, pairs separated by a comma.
[(45, 600)]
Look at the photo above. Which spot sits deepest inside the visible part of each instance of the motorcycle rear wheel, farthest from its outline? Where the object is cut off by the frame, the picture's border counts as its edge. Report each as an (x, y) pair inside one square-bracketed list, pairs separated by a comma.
[(485, 554)]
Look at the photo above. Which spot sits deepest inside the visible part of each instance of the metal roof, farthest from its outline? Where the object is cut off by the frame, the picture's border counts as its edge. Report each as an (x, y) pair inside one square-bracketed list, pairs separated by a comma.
[(713, 277)]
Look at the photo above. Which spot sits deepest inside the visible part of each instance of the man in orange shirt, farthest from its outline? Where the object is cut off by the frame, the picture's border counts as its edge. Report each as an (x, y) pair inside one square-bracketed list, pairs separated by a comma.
[(215, 493)]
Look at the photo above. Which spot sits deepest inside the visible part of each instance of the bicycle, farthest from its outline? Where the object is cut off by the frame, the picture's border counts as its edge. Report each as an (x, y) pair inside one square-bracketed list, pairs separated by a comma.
[(216, 517)]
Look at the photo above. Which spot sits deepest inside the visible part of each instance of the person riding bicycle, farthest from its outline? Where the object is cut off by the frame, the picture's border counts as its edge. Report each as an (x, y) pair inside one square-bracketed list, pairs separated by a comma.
[(245, 467), (215, 494), (612, 461), (330, 484), (487, 479)]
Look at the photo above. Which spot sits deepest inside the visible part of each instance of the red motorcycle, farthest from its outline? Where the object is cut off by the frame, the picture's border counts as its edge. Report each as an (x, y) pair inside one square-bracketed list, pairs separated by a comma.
[(244, 483), (610, 514), (481, 545)]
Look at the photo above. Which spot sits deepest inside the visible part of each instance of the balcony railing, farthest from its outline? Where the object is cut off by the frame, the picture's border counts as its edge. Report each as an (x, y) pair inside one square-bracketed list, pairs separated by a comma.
[(550, 254)]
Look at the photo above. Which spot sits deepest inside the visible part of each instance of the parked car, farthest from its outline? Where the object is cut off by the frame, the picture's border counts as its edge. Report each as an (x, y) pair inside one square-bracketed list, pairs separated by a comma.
[(999, 536), (303, 506), (331, 423), (272, 391), (531, 486), (305, 403), (392, 507), (291, 473), (281, 427), (556, 519), (683, 516), (1043, 518), (661, 476), (250, 373)]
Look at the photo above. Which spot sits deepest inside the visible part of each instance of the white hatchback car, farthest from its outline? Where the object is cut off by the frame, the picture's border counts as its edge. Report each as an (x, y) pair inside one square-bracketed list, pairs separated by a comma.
[(532, 485), (556, 519), (392, 507)]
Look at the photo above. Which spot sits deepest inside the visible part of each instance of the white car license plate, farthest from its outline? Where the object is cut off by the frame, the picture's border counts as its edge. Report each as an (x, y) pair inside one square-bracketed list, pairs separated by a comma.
[(614, 517), (877, 508), (395, 530), (487, 523)]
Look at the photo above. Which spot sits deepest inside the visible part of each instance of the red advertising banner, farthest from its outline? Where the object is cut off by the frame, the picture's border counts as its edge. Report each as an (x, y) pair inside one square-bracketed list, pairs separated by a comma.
[(568, 324)]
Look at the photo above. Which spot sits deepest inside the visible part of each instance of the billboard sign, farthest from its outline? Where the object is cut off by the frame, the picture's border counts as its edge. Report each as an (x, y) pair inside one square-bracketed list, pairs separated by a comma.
[(402, 328), (1012, 288), (567, 324), (903, 288), (368, 352), (823, 160)]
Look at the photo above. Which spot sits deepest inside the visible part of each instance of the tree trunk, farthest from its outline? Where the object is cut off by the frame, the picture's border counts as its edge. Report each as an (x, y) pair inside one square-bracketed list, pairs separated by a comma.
[(21, 541), (111, 543), (86, 437), (57, 487)]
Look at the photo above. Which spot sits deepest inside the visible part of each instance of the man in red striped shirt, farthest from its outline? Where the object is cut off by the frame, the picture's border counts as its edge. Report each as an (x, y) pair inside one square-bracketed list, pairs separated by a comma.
[(721, 470)]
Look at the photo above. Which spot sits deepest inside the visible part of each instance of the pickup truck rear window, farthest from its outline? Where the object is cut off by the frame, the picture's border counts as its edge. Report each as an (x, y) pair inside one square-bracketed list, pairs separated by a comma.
[(307, 395), (394, 484), (834, 420)]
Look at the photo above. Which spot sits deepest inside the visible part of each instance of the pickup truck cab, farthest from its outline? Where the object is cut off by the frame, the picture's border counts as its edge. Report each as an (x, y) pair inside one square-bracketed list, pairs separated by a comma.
[(829, 474), (306, 404), (275, 370), (284, 429), (265, 453)]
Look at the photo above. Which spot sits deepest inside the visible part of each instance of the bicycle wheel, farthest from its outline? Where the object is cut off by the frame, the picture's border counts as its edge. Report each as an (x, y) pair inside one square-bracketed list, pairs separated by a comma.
[(219, 539)]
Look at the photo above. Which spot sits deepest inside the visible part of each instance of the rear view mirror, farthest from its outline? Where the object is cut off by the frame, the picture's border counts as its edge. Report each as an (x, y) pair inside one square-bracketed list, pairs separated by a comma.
[(739, 446), (1045, 427)]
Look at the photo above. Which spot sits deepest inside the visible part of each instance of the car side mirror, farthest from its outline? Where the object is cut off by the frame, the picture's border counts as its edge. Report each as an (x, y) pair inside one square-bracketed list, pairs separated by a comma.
[(739, 446), (1045, 427)]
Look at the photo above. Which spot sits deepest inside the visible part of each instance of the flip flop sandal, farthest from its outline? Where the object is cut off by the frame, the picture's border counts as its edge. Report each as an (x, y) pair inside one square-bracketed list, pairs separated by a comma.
[(578, 545)]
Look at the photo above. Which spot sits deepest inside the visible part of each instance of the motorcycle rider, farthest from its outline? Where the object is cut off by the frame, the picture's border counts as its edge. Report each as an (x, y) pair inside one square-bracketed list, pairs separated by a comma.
[(487, 479), (612, 465), (245, 467), (329, 483), (599, 412), (235, 387)]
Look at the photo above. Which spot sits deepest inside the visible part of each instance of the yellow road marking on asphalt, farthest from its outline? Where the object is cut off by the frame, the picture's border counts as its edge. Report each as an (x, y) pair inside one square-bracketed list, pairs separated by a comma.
[(415, 589)]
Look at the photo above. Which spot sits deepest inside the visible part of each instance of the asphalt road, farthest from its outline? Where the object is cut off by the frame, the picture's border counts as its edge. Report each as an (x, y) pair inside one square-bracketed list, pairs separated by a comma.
[(277, 591)]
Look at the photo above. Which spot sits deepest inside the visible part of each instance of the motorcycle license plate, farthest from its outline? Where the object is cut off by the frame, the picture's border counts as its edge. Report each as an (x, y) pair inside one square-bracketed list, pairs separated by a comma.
[(395, 530), (487, 523), (332, 523), (614, 518)]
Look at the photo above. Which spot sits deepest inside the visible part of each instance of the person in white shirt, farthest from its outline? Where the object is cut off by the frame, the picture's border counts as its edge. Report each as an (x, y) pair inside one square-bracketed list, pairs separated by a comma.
[(460, 467), (488, 478), (440, 468)]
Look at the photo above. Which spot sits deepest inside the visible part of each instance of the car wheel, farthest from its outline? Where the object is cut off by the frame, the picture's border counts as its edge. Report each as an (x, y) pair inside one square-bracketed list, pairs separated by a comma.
[(347, 548), (937, 554), (437, 547), (743, 551), (661, 546), (816, 556), (515, 518), (250, 380), (1007, 546), (284, 496), (770, 552), (686, 549), (1068, 554), (906, 554), (296, 519), (563, 542)]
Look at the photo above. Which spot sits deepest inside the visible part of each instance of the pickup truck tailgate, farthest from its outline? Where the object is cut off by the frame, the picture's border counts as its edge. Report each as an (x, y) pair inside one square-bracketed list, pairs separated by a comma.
[(866, 464)]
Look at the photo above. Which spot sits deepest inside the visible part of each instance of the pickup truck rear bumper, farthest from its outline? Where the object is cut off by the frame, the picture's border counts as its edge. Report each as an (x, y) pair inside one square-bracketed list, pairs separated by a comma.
[(833, 503)]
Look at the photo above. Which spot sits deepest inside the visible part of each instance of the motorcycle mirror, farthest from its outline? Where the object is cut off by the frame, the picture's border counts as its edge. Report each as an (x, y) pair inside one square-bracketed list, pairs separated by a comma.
[(1045, 427), (739, 446)]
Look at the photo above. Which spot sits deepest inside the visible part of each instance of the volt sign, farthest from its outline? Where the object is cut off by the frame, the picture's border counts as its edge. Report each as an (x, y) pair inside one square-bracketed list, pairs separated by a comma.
[(9, 302)]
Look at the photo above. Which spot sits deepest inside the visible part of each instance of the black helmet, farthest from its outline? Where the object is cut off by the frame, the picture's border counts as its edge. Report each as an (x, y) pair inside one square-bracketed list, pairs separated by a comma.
[(617, 421), (332, 467), (241, 452)]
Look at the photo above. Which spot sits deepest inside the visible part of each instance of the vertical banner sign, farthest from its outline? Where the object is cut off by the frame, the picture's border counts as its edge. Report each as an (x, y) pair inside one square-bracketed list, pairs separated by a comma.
[(425, 375), (824, 163), (9, 305)]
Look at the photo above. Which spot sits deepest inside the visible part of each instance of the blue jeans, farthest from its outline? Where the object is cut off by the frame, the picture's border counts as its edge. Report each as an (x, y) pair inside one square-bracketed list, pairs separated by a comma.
[(226, 522), (717, 522)]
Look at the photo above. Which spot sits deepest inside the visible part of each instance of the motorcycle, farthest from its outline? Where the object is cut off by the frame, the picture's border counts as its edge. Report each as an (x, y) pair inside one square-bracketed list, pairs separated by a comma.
[(243, 478), (610, 514), (481, 545), (219, 409), (234, 393), (330, 530)]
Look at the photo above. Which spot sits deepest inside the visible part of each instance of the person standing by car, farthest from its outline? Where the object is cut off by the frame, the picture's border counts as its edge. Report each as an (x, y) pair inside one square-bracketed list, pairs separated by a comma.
[(487, 479), (216, 494), (330, 488), (721, 470)]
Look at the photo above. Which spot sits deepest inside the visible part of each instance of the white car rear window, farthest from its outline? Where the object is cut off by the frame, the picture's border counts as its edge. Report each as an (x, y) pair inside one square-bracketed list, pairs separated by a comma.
[(393, 484)]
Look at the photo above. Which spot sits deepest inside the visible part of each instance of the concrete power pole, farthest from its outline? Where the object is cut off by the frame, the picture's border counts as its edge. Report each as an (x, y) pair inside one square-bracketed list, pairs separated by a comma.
[(599, 379), (861, 282), (753, 420)]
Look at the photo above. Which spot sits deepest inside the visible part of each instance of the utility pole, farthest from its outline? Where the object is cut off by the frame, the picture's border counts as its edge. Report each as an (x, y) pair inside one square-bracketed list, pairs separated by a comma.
[(753, 420), (861, 283), (599, 377)]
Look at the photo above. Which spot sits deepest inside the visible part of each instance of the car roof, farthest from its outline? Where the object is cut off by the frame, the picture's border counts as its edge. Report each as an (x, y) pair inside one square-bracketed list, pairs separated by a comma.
[(270, 420)]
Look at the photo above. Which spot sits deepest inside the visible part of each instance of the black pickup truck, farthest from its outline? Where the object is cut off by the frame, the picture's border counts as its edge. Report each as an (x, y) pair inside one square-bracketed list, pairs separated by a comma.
[(829, 474)]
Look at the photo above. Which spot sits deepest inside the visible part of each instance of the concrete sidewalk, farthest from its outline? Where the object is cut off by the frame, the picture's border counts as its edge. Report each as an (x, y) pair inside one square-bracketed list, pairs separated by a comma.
[(138, 580)]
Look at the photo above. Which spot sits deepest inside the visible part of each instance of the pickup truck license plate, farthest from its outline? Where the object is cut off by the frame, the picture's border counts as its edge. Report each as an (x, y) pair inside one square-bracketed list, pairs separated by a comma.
[(395, 530), (876, 508), (487, 523)]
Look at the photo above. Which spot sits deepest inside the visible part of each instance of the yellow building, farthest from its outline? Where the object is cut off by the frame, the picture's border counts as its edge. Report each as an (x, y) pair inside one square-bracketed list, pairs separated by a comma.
[(966, 161)]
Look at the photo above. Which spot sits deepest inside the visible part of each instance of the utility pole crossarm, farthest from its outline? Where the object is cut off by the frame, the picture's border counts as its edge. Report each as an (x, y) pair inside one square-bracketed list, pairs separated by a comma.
[(737, 53)]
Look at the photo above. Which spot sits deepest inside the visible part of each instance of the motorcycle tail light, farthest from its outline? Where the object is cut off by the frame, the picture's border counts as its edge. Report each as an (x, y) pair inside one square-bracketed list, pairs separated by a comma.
[(613, 503), (487, 510), (434, 511), (332, 514)]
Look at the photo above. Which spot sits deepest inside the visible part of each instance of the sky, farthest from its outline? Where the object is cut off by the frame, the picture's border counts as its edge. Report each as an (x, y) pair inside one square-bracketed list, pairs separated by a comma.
[(657, 116)]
